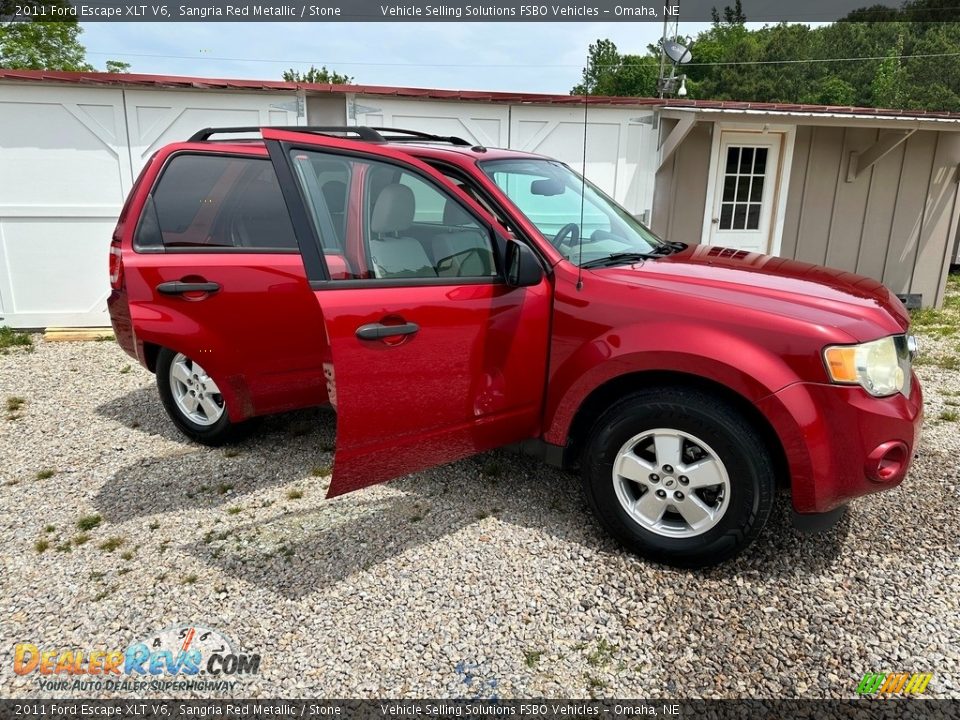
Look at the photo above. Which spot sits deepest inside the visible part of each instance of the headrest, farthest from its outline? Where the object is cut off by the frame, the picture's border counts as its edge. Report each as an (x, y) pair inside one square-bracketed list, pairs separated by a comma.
[(394, 209), (454, 214)]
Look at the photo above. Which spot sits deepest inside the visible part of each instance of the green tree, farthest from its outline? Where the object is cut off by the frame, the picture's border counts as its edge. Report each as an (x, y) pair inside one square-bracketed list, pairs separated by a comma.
[(315, 76), (40, 44), (610, 73), (117, 66), (888, 88)]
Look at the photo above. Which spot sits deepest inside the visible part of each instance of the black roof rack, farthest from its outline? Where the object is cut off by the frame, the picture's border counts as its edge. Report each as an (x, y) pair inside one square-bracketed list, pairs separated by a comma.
[(368, 134)]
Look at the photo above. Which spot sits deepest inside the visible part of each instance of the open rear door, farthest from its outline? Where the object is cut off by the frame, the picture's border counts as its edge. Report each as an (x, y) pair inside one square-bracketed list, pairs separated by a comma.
[(433, 357)]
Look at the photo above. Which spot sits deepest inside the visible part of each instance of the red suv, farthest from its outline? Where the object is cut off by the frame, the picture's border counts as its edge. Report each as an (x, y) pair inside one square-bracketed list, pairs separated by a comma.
[(447, 299)]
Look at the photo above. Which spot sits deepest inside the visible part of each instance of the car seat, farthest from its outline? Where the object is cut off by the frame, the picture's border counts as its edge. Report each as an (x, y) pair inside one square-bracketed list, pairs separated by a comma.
[(392, 253)]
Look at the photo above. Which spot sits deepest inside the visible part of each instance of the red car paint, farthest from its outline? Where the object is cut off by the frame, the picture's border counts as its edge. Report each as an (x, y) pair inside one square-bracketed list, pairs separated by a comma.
[(493, 364)]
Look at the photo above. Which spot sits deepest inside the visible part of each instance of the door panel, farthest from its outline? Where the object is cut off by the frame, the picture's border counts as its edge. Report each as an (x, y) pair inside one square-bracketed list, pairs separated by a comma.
[(467, 373), (470, 379), (744, 191)]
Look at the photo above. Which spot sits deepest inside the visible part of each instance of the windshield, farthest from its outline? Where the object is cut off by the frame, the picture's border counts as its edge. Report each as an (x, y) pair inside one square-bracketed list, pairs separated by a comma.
[(564, 208)]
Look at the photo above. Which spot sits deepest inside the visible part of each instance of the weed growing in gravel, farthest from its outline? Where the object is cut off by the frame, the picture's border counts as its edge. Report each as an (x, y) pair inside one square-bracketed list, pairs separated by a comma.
[(532, 657), (89, 522), (10, 338), (950, 416), (123, 571), (190, 579), (603, 653), (14, 403), (154, 525), (125, 369), (235, 510), (49, 528), (81, 539), (593, 683), (46, 474), (41, 545), (294, 494), (97, 575), (224, 488), (321, 470), (111, 543), (105, 593), (949, 362), (127, 555), (64, 547)]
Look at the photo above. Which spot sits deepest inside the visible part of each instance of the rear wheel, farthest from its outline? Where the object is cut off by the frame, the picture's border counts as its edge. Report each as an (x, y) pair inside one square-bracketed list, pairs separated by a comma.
[(192, 399), (679, 476)]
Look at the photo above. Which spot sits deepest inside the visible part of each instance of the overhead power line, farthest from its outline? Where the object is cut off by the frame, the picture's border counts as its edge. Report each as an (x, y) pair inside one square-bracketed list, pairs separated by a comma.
[(337, 63)]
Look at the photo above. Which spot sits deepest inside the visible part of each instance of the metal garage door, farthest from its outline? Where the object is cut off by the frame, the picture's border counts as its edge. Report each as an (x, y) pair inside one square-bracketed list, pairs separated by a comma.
[(65, 169)]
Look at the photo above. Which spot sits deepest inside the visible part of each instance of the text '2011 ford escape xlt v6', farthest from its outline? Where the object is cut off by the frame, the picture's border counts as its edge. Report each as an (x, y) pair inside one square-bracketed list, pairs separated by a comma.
[(447, 299)]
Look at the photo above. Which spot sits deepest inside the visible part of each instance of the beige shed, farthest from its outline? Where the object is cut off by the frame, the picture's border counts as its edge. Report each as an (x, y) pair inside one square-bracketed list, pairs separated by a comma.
[(871, 191)]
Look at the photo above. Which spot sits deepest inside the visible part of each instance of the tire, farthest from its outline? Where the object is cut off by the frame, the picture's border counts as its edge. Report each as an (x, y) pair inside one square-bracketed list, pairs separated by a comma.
[(714, 442), (206, 427)]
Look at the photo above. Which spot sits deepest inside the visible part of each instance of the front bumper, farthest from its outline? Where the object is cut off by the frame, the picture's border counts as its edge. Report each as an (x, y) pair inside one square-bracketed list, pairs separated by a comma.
[(841, 442)]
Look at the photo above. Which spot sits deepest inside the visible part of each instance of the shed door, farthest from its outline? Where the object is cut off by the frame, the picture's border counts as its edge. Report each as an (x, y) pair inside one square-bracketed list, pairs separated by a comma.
[(744, 191)]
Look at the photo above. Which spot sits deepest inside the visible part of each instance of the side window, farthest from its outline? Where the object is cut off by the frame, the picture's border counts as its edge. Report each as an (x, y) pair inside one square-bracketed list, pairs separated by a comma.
[(410, 227), (217, 203)]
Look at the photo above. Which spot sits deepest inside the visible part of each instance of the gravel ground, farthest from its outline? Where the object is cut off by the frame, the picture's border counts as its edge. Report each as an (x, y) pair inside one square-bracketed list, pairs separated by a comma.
[(484, 578)]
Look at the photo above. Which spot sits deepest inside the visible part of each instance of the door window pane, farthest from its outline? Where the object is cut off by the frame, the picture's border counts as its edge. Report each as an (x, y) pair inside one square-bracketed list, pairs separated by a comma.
[(743, 186), (410, 227), (217, 202)]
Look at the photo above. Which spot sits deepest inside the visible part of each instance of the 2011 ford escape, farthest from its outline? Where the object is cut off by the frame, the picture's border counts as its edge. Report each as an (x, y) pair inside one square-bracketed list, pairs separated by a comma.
[(447, 299)]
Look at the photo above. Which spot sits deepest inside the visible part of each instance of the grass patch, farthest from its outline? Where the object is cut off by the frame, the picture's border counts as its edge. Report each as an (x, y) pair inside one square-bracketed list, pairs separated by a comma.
[(294, 494), (64, 547), (10, 338), (49, 528), (235, 510), (14, 403), (111, 544), (190, 579), (89, 522), (532, 657), (81, 539), (41, 545), (321, 470), (46, 474), (950, 415), (127, 555), (602, 654)]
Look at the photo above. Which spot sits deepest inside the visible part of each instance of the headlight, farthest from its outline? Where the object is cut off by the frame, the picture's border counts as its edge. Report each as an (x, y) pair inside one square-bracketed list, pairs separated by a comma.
[(882, 367)]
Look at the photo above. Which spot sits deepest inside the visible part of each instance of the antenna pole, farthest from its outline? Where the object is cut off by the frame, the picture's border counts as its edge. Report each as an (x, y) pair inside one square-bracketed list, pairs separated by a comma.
[(583, 184)]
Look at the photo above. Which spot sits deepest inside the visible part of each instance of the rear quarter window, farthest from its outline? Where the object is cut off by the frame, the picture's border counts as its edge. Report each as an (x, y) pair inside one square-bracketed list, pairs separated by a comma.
[(216, 202)]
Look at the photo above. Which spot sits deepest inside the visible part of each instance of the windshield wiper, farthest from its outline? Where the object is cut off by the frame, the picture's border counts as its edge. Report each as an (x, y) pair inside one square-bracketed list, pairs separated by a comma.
[(620, 258)]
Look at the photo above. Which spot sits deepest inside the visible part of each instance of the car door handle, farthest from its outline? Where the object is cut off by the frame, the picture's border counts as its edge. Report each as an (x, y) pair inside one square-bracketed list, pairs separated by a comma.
[(176, 287), (378, 331)]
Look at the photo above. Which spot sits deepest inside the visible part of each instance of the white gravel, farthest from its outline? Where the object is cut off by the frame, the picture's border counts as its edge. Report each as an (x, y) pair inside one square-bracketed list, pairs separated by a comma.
[(484, 578)]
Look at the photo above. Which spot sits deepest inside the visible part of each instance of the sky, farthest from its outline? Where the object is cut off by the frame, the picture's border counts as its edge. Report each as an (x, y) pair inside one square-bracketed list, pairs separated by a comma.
[(531, 57)]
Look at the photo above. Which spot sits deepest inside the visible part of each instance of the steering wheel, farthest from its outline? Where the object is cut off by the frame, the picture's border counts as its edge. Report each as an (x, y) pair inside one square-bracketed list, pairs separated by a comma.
[(568, 235)]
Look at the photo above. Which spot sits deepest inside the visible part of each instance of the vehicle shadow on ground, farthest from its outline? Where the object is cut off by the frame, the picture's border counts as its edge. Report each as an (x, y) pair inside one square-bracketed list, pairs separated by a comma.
[(279, 450), (295, 551)]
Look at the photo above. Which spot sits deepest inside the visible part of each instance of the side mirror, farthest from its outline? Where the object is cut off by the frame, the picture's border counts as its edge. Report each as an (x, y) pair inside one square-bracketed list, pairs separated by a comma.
[(523, 267)]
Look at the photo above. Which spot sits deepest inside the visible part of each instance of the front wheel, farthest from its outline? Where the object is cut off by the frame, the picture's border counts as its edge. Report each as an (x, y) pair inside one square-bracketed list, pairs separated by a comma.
[(679, 476), (192, 399)]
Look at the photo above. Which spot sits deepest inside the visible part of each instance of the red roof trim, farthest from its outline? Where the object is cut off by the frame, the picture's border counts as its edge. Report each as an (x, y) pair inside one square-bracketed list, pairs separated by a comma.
[(174, 81)]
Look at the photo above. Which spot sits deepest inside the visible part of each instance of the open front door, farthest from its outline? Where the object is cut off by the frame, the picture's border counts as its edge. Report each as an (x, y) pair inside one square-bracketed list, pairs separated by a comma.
[(433, 357)]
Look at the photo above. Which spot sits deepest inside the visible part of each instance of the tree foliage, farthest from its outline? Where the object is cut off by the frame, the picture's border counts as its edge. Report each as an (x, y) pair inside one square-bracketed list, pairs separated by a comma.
[(46, 42), (317, 76), (798, 64)]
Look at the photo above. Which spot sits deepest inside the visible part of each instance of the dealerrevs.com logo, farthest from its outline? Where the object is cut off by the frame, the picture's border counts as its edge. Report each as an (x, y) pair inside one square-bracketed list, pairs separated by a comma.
[(178, 658)]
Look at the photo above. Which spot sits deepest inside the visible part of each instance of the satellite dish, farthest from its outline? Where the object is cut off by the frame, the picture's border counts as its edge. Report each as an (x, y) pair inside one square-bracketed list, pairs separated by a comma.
[(680, 54)]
